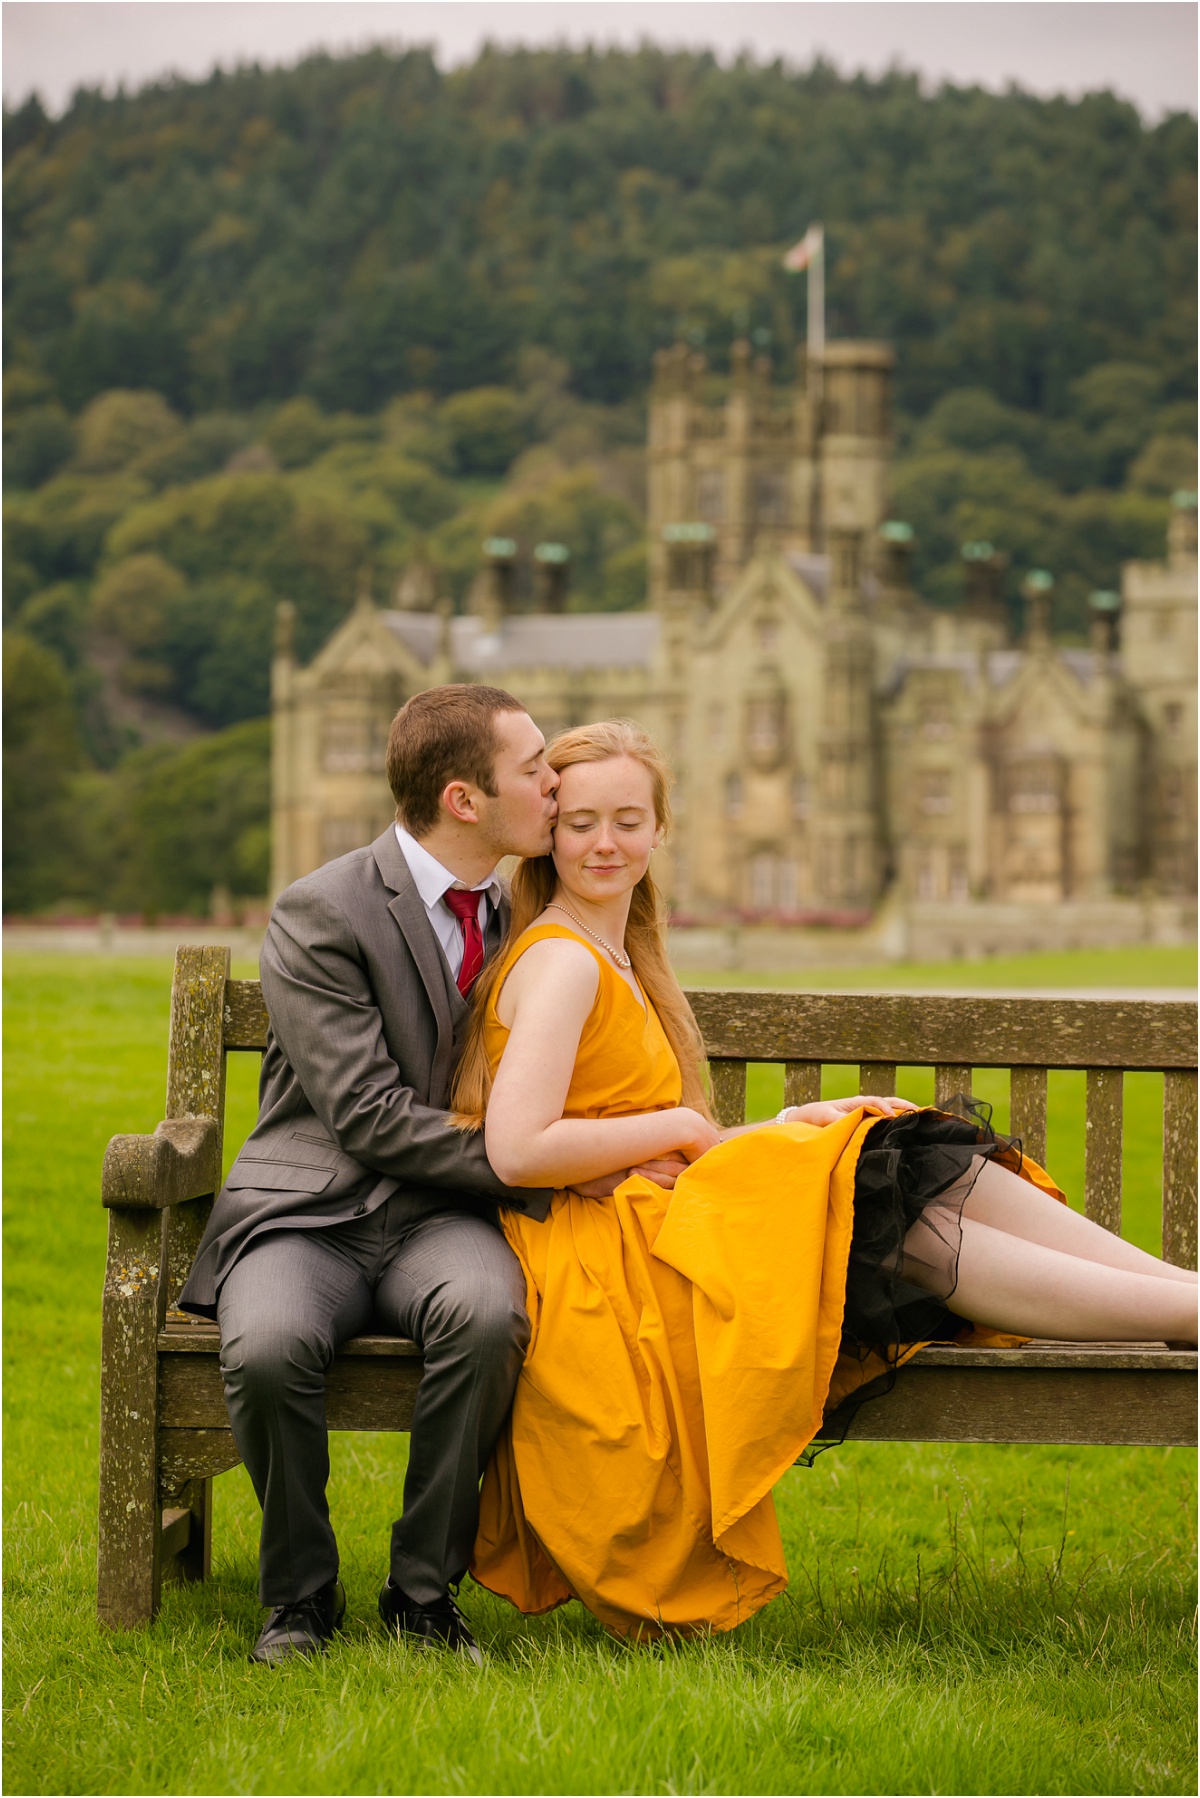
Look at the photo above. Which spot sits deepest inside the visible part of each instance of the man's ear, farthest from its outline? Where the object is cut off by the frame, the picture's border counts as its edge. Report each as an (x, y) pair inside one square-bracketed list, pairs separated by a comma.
[(459, 800)]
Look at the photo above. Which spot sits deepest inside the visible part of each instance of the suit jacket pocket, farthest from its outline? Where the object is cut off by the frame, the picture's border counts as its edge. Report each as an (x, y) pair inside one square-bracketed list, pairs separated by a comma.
[(277, 1176)]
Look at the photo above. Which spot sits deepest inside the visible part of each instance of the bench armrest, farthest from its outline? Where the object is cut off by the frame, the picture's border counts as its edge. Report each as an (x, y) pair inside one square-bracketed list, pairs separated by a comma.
[(180, 1161)]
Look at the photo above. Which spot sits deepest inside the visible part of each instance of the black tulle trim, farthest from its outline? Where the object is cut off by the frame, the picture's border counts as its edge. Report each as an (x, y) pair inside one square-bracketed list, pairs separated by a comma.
[(918, 1165)]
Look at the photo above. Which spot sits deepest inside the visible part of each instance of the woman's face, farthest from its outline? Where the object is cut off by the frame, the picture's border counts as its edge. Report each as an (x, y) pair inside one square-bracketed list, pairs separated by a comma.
[(606, 828)]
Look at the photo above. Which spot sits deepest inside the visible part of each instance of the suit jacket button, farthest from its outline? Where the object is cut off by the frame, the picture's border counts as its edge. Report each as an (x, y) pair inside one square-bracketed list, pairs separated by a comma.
[(359, 1210)]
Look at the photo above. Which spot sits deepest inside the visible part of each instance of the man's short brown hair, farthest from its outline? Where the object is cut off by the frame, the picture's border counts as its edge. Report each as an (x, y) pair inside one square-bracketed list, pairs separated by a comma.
[(444, 734)]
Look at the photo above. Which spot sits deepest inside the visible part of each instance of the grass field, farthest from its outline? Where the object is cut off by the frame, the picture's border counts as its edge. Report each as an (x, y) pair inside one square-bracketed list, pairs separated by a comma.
[(984, 1620)]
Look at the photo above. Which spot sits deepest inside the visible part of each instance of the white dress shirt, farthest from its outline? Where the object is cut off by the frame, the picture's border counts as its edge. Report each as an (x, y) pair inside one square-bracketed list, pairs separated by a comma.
[(433, 882)]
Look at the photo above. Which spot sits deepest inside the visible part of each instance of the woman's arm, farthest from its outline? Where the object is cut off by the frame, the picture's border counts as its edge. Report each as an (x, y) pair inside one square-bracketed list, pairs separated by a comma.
[(545, 1003), (825, 1111)]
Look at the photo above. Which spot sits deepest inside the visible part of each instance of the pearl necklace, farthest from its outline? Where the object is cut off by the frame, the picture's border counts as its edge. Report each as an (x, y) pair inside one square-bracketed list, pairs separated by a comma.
[(618, 955)]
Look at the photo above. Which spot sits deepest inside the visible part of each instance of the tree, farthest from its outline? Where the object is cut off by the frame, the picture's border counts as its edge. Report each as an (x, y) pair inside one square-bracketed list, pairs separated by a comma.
[(41, 751)]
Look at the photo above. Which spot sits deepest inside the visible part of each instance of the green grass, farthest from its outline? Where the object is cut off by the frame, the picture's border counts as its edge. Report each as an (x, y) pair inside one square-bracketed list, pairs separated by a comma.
[(1140, 966), (988, 1620)]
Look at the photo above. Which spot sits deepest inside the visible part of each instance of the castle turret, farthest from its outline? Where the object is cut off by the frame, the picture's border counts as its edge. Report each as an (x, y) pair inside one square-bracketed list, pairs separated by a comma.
[(848, 857)]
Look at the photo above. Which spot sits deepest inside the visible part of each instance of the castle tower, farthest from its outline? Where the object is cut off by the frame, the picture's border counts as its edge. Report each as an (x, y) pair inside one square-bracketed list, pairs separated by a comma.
[(768, 464), (1158, 656), (848, 837)]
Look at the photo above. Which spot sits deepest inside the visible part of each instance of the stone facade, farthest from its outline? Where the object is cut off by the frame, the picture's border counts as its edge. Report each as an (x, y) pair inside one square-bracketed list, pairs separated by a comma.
[(836, 741)]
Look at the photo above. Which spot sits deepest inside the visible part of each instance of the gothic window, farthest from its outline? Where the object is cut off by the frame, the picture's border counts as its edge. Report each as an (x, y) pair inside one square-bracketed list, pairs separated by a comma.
[(789, 895), (1172, 794), (935, 791), (935, 720), (763, 875), (768, 636), (960, 890), (710, 495), (735, 800), (1172, 719), (764, 724), (716, 725), (770, 497), (340, 835), (1036, 786), (353, 745), (800, 797)]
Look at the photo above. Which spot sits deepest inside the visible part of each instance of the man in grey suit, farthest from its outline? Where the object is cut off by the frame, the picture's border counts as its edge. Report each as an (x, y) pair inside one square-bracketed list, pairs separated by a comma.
[(355, 1202)]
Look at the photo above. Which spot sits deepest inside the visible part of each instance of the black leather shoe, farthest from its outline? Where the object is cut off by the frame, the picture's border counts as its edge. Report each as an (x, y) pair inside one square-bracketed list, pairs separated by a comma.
[(304, 1628), (439, 1625)]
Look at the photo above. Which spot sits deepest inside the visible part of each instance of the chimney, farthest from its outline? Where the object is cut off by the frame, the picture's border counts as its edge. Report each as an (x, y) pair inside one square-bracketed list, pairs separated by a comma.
[(1181, 532), (896, 550), (1105, 608), (491, 592), (551, 575), (1036, 589)]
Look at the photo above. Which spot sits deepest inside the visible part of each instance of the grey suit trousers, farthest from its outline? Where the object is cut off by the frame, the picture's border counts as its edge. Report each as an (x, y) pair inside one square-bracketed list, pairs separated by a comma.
[(448, 1280)]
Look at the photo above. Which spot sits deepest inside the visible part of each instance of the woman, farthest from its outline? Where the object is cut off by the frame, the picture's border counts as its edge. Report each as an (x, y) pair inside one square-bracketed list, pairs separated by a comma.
[(686, 1344)]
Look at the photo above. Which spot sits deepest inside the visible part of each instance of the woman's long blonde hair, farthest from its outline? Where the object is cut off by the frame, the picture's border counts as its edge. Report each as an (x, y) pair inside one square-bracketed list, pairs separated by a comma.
[(645, 933)]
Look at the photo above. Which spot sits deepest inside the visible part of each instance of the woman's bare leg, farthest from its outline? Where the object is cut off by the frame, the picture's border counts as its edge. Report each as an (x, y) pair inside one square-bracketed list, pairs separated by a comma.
[(1005, 1202), (1008, 1282)]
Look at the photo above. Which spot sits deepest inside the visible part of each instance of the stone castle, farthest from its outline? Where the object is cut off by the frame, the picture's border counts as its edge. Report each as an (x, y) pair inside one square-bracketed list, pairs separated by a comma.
[(842, 750)]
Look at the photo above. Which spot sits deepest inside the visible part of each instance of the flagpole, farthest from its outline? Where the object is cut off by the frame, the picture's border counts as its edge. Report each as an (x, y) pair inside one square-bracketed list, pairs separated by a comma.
[(816, 293)]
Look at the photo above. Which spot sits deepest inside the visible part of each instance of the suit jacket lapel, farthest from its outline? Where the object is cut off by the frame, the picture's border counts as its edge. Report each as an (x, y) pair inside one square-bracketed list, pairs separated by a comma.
[(408, 909)]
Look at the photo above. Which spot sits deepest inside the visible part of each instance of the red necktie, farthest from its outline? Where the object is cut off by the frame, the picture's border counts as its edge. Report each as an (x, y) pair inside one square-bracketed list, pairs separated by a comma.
[(465, 907)]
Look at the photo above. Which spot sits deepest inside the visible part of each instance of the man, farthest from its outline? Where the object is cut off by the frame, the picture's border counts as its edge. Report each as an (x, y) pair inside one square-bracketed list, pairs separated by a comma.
[(355, 1202)]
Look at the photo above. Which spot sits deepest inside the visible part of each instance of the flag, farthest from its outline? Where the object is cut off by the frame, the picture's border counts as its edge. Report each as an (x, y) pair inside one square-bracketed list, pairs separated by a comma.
[(803, 254)]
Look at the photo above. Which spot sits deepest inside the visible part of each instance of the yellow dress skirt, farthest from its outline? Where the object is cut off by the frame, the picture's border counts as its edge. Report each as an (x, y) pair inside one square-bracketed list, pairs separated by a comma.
[(684, 1348)]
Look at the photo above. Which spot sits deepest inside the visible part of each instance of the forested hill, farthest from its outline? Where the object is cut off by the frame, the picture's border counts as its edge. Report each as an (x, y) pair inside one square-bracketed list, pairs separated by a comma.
[(353, 228), (266, 329)]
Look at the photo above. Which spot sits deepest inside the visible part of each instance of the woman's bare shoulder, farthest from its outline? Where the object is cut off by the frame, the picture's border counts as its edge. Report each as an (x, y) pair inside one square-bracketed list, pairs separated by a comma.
[(555, 965)]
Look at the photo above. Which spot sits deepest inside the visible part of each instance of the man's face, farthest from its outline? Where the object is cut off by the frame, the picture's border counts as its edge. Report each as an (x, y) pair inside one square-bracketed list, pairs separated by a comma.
[(520, 819)]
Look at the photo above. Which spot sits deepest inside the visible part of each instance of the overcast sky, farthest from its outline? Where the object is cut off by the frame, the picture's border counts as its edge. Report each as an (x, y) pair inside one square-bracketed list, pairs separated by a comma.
[(1145, 51)]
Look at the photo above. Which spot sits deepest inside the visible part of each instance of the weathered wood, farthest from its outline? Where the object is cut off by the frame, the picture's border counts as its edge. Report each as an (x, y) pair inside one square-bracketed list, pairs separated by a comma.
[(245, 1015), (951, 1085), (801, 1082), (1102, 1147), (362, 1392), (128, 1557), (176, 1530), (181, 1161), (877, 1079), (1066, 1357), (186, 1457), (1027, 1111), (920, 1029), (195, 1088), (1179, 1168), (728, 1091), (192, 1560), (1027, 1404)]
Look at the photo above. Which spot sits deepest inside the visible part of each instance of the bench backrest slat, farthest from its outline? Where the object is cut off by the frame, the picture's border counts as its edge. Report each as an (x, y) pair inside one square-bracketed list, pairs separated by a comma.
[(1179, 1168), (922, 1029), (1102, 1147)]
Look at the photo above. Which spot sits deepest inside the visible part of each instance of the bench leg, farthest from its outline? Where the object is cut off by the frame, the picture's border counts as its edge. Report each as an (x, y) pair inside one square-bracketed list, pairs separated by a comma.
[(187, 1533), (130, 1538)]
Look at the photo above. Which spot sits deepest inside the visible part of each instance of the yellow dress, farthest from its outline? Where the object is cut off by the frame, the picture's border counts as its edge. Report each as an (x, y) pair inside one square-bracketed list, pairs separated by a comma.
[(681, 1354)]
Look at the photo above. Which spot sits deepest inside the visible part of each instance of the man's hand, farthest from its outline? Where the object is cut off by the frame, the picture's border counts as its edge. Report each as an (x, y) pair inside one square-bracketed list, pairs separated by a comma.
[(662, 1172)]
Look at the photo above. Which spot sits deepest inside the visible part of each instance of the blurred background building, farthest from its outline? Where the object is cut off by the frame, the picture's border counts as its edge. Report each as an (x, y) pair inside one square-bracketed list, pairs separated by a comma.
[(844, 752)]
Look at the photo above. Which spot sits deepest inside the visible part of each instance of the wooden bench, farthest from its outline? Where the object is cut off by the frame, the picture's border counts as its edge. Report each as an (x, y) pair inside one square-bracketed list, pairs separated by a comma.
[(164, 1431)]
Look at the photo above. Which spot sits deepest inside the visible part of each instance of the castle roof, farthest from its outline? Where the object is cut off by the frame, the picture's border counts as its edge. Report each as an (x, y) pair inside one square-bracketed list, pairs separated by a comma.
[(572, 640)]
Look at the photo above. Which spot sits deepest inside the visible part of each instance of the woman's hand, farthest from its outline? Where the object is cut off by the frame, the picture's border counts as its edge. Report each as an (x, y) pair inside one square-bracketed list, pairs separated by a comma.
[(700, 1134), (828, 1111)]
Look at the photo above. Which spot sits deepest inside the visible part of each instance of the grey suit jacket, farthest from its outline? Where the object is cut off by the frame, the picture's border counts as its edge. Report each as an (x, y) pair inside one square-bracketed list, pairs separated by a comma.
[(366, 1025)]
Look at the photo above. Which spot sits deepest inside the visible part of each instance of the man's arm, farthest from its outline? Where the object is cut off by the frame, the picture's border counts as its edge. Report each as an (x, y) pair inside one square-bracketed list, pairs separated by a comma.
[(327, 1023)]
